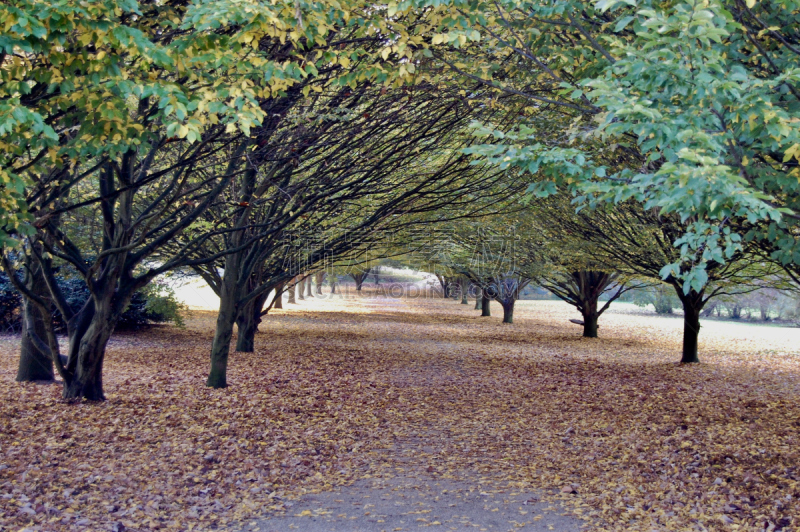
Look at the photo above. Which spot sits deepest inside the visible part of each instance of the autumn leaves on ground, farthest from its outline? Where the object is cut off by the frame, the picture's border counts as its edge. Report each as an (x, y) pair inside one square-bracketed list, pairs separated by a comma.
[(612, 427)]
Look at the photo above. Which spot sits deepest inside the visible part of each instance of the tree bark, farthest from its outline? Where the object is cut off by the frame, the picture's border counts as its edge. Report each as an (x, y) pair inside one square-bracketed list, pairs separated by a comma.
[(86, 381), (278, 296), (463, 284), (692, 307), (247, 323), (309, 291), (486, 309), (359, 278), (301, 289), (220, 346), (590, 315), (590, 325), (292, 291), (319, 278), (508, 311), (34, 364), (477, 302)]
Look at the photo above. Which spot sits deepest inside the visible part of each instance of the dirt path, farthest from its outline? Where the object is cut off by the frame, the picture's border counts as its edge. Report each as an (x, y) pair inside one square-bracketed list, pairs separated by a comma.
[(411, 503), (410, 496)]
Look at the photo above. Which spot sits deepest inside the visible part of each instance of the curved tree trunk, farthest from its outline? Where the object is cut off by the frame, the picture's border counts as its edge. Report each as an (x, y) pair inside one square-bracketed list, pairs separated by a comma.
[(34, 364), (88, 349)]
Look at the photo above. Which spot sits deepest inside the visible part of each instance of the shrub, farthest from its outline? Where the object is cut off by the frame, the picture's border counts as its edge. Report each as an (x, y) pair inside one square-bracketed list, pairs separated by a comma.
[(662, 298), (155, 303), (10, 306)]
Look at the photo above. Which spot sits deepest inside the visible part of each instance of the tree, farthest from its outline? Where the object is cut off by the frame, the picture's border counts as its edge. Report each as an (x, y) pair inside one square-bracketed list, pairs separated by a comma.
[(637, 243), (343, 183), (159, 136), (702, 98), (583, 289), (360, 276)]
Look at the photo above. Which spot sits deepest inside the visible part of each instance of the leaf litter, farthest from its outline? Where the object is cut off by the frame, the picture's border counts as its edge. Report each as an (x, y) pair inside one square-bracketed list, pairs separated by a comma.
[(611, 428)]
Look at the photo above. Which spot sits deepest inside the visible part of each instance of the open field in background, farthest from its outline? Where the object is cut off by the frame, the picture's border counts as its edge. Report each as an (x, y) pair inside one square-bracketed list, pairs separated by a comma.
[(613, 427)]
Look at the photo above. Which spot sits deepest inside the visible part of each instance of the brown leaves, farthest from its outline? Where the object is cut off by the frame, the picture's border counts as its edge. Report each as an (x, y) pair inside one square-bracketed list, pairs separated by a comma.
[(627, 438)]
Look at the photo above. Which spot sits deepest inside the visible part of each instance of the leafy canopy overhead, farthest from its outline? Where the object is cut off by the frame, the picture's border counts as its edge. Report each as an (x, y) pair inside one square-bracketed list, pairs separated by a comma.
[(701, 95)]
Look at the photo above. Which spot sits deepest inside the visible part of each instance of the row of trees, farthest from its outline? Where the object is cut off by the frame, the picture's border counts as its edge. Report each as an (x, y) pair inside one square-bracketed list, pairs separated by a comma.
[(229, 143), (252, 143)]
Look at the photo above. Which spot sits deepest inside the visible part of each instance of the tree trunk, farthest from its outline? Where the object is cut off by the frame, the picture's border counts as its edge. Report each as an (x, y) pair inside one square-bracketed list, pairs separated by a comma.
[(333, 285), (590, 325), (463, 285), (87, 380), (486, 309), (34, 364), (478, 300), (589, 311), (319, 278), (278, 296), (221, 345), (309, 291), (692, 306), (247, 324), (292, 290), (691, 332), (359, 279), (508, 311), (301, 289)]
